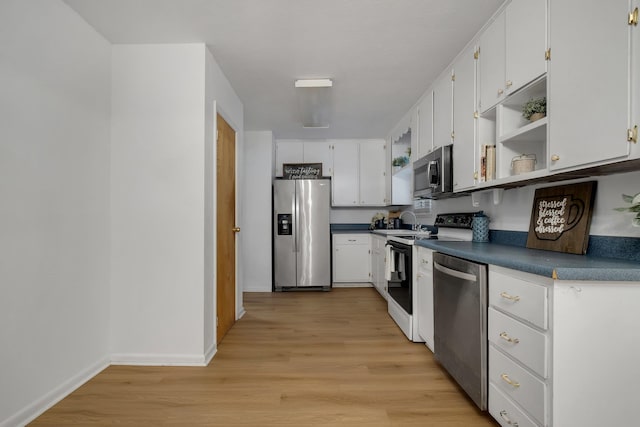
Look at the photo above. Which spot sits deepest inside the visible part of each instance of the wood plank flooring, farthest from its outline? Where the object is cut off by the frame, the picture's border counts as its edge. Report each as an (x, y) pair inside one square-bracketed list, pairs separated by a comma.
[(295, 359)]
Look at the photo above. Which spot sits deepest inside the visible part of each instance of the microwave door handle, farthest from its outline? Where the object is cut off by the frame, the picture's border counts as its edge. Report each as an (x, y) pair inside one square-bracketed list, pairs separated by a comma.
[(435, 167)]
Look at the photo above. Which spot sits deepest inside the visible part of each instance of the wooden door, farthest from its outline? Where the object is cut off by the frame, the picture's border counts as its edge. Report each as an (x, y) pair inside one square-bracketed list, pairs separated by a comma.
[(226, 228)]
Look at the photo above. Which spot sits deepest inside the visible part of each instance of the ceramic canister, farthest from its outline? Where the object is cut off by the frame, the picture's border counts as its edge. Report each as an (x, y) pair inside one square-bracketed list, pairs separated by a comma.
[(480, 227)]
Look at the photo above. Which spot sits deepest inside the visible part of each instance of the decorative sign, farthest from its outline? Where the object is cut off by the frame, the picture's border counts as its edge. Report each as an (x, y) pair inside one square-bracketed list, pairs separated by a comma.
[(561, 218), (301, 170)]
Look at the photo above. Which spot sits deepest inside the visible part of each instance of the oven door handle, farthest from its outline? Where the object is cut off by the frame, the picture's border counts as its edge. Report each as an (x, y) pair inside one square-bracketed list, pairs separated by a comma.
[(399, 249), (455, 273)]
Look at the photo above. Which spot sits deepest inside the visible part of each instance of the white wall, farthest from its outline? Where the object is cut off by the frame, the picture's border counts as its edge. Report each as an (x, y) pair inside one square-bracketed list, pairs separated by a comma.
[(514, 213), (256, 222), (54, 214), (157, 203)]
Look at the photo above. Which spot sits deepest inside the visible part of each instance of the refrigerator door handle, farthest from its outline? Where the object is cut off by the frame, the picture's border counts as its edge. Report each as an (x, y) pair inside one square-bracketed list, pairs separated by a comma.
[(296, 229)]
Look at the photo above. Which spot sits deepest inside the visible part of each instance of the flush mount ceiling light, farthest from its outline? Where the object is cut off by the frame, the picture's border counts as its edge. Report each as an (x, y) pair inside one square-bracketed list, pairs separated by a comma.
[(314, 102)]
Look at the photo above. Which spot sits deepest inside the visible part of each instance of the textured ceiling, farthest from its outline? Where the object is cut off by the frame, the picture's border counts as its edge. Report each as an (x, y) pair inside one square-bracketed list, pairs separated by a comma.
[(381, 54)]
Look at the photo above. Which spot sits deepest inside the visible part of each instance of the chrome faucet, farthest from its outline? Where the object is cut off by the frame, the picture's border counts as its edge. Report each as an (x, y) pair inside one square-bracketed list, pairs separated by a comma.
[(416, 225)]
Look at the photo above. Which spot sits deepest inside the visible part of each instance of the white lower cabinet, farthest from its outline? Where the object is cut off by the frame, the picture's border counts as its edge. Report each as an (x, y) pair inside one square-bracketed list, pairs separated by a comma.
[(562, 353), (424, 294), (351, 258), (378, 260)]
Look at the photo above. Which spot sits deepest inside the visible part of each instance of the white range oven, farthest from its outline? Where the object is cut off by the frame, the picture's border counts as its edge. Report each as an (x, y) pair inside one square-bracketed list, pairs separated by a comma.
[(401, 275)]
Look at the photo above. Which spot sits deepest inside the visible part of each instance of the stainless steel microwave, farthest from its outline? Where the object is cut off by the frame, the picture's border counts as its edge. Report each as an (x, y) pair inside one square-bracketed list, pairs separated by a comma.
[(433, 174)]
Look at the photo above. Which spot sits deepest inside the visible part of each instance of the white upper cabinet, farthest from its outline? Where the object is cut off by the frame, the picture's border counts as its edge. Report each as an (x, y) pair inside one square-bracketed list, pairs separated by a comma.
[(464, 124), (525, 42), (372, 173), (512, 50), (443, 110), (359, 177), (345, 182), (635, 80), (297, 151), (588, 82), (424, 116), (491, 72)]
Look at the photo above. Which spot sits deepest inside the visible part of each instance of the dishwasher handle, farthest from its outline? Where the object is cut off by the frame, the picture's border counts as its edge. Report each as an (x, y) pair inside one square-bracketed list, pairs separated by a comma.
[(455, 273)]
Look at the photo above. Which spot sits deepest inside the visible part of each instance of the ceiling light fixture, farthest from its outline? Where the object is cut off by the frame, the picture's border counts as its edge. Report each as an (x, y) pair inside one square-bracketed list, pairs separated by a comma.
[(314, 102)]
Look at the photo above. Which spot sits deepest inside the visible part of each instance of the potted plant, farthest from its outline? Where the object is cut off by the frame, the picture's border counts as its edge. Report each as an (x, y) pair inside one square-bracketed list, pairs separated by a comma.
[(535, 109), (400, 162), (635, 207)]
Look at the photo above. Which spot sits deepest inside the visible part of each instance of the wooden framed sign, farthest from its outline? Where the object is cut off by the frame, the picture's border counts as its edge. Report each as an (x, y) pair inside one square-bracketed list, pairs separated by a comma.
[(302, 170), (561, 217)]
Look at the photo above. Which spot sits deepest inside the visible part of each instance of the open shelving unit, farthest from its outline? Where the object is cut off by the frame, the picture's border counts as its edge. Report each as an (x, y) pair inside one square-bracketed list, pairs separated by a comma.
[(513, 135)]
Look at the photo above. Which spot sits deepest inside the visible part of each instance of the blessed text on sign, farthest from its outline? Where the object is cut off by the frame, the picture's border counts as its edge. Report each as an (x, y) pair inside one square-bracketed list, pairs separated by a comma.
[(561, 217)]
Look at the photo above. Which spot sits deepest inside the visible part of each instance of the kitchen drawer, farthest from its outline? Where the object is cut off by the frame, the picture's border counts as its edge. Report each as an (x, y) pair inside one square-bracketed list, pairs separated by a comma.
[(507, 413), (351, 239), (519, 297), (519, 341), (518, 384)]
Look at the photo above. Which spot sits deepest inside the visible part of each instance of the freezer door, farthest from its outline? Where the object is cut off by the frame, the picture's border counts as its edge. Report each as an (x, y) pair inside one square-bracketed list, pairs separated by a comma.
[(284, 244), (313, 234)]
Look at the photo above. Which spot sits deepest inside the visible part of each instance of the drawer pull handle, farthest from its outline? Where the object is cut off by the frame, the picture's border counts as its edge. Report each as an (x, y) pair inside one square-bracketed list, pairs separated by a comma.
[(514, 298), (503, 415), (509, 381), (507, 338)]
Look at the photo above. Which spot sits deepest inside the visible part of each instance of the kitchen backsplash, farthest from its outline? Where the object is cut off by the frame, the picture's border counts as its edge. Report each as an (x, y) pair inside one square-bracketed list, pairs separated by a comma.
[(514, 212)]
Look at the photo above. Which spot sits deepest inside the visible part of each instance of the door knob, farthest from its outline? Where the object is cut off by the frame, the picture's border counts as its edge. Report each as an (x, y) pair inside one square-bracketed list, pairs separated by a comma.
[(236, 229)]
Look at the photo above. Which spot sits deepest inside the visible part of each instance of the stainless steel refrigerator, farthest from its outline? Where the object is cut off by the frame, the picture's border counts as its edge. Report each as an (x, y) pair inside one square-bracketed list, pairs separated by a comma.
[(301, 235)]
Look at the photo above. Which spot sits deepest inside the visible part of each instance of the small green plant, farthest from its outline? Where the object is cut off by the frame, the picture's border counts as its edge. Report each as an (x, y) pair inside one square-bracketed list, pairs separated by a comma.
[(635, 207), (532, 106), (400, 161)]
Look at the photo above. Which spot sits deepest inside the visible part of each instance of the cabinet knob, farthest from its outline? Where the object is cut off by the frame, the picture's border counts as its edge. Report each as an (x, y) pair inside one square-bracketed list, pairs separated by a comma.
[(475, 175), (509, 83), (500, 92), (555, 158)]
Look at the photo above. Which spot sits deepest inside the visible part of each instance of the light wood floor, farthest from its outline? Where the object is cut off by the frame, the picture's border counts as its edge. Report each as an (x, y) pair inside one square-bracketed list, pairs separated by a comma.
[(295, 359)]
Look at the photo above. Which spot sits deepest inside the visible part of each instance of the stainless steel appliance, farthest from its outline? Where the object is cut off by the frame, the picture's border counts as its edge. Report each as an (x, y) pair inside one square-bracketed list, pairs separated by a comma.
[(433, 174), (301, 234), (460, 322), (401, 304)]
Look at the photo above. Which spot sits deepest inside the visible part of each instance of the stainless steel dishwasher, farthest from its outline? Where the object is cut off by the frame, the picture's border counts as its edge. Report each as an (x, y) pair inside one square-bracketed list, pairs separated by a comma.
[(460, 317)]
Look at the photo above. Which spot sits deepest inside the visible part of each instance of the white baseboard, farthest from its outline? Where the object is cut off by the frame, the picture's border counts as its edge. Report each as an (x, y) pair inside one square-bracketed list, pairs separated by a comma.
[(39, 406), (154, 359), (211, 351)]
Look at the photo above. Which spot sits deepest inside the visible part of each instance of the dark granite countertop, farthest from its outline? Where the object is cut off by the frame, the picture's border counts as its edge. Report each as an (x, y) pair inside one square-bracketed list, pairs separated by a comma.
[(556, 265)]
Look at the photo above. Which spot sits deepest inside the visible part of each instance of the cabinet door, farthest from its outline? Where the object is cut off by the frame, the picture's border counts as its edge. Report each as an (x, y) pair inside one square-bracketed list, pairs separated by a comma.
[(351, 263), (372, 177), (288, 152), (442, 110), (319, 152), (588, 82), (425, 296), (526, 42), (425, 125), (492, 64), (635, 83), (464, 124), (344, 184)]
